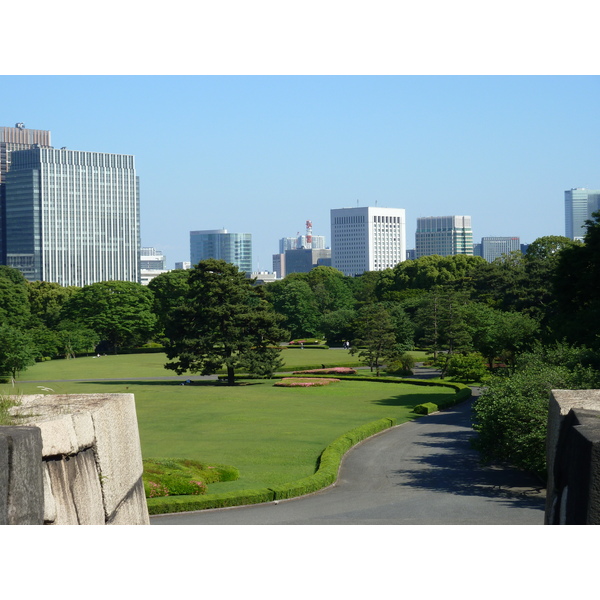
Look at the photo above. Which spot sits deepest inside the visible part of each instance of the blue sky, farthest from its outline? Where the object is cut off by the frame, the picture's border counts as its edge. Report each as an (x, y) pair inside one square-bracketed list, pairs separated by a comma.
[(263, 154)]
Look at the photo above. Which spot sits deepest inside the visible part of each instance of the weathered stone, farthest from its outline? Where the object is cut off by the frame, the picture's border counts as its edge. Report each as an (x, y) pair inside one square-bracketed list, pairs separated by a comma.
[(23, 489), (75, 485), (49, 502), (4, 466), (118, 449), (94, 463), (133, 510)]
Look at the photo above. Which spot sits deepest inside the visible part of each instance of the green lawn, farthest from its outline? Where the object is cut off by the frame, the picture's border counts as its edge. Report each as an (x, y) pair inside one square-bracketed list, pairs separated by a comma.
[(272, 435)]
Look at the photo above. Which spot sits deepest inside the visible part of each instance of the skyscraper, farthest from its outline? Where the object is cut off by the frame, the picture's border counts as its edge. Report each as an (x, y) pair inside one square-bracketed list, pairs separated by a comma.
[(444, 236), (72, 217), (580, 203), (495, 247), (14, 138), (367, 239), (235, 248)]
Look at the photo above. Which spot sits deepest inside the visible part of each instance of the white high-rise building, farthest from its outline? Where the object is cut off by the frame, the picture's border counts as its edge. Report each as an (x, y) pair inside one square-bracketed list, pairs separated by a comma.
[(72, 217), (580, 203), (444, 236), (367, 239)]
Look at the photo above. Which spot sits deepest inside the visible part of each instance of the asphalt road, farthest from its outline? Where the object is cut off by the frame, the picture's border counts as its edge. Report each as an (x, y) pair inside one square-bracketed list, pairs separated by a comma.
[(420, 473)]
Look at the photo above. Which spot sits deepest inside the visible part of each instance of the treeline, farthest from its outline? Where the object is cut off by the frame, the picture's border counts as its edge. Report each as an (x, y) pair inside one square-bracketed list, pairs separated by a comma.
[(452, 305)]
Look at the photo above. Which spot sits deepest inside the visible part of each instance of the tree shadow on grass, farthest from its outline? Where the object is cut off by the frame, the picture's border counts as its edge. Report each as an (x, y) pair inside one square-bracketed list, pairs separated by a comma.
[(456, 469), (410, 399), (165, 382)]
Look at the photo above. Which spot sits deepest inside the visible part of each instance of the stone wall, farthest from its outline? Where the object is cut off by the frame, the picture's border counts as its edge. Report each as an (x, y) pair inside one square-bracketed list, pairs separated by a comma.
[(573, 458), (90, 460)]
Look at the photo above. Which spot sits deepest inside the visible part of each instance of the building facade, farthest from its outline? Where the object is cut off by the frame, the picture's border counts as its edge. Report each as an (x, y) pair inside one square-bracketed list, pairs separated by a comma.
[(72, 217), (11, 139), (444, 236), (317, 242), (367, 239), (234, 248), (152, 263), (580, 203), (492, 248), (303, 260)]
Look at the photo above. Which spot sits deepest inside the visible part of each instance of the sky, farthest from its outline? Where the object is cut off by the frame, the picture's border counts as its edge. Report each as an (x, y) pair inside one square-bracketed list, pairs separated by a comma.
[(263, 154)]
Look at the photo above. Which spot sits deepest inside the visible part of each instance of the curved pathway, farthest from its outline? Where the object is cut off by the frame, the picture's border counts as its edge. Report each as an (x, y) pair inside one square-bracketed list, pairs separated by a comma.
[(423, 472)]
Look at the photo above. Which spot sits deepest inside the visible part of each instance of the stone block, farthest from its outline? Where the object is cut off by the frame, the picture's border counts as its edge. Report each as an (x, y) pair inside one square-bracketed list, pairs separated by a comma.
[(75, 489), (561, 402), (118, 449), (133, 510), (22, 490), (92, 448)]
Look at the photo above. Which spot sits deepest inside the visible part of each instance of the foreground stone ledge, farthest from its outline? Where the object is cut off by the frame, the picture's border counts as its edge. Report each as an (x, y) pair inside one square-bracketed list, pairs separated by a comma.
[(573, 457), (92, 460)]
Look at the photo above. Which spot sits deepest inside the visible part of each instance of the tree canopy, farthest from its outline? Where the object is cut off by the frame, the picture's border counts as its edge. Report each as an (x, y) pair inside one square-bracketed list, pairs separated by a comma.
[(223, 321)]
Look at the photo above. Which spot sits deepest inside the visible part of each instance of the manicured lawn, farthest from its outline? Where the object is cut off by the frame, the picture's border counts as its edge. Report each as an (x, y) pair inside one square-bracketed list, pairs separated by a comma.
[(124, 366), (272, 435)]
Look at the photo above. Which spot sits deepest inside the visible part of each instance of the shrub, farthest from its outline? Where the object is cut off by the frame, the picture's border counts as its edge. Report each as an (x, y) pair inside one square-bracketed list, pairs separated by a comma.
[(181, 477), (467, 368), (425, 408), (401, 366)]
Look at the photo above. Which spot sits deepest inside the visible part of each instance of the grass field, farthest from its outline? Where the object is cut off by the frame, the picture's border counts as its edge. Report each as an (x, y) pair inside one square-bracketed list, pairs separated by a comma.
[(272, 435)]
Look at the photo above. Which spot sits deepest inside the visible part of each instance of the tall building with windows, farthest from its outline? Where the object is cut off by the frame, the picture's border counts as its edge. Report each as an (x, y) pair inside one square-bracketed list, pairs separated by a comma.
[(492, 248), (367, 239), (580, 203), (444, 236), (11, 139), (72, 217), (235, 248)]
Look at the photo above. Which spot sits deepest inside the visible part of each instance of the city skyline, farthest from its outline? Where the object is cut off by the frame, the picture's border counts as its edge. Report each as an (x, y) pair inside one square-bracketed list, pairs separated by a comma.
[(264, 153)]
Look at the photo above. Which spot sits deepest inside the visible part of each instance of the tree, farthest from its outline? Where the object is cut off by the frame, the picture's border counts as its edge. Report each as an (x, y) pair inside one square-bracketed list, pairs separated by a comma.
[(120, 312), (338, 326), (14, 301), (46, 301), (17, 351), (169, 291), (223, 321), (577, 288), (375, 336), (294, 300)]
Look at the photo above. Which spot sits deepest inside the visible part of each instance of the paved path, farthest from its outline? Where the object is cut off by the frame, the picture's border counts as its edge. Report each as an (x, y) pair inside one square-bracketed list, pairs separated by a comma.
[(420, 473)]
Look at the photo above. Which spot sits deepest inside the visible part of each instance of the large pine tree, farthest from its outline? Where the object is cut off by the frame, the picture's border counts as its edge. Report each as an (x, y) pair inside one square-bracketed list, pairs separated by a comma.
[(224, 321)]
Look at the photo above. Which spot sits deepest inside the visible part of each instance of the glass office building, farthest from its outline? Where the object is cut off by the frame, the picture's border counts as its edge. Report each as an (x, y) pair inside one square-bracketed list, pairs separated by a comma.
[(580, 203), (492, 248), (72, 217), (444, 236), (12, 139), (235, 248)]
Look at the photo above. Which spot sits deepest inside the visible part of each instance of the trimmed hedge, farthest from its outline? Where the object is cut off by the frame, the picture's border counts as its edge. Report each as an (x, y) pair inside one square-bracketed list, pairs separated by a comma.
[(329, 461), (425, 408), (174, 504)]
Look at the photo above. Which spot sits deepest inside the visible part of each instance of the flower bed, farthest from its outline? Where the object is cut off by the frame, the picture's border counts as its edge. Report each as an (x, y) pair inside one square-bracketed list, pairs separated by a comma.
[(331, 371), (303, 382)]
